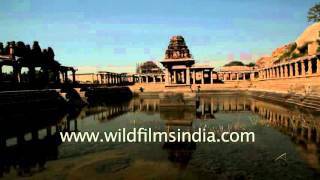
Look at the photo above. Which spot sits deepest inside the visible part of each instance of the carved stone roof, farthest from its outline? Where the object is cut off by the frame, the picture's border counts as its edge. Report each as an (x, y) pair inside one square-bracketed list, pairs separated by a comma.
[(177, 49)]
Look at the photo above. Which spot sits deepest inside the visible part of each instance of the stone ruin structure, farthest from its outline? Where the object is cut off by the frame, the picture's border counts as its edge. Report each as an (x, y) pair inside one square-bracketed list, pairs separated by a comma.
[(19, 55)]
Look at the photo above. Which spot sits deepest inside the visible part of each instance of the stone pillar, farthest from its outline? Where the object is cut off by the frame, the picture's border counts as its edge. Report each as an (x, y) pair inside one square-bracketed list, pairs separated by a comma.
[(285, 71), (112, 79), (167, 76), (309, 66), (154, 79), (161, 78), (303, 69), (237, 74), (291, 70), (244, 76), (106, 78), (202, 77), (188, 75), (174, 77), (251, 75), (183, 79), (296, 69), (147, 79), (281, 71), (267, 74), (194, 76)]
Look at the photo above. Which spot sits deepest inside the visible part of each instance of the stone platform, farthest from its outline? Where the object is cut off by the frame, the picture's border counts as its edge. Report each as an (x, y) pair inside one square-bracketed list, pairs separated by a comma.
[(177, 88)]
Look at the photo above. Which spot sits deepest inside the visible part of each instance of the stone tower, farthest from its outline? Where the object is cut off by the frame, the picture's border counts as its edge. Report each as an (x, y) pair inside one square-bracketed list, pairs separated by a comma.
[(177, 49), (177, 62)]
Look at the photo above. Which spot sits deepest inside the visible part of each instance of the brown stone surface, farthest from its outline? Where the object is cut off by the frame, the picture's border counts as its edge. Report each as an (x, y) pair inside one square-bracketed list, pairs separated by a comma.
[(264, 62), (311, 34), (277, 53)]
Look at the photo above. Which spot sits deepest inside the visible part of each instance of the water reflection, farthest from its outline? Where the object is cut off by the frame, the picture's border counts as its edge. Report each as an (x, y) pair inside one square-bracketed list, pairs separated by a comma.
[(29, 138), (26, 149)]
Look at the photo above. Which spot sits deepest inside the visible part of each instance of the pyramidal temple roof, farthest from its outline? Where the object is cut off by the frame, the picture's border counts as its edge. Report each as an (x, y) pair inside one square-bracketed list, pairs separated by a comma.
[(177, 49)]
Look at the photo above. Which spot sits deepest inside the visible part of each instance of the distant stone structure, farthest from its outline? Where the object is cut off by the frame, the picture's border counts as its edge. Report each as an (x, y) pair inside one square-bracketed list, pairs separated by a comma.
[(179, 64), (19, 55), (148, 67), (294, 68)]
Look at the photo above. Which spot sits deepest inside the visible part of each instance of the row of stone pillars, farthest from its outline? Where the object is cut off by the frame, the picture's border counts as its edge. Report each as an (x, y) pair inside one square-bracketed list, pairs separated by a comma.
[(148, 78), (111, 78), (301, 67), (59, 75), (185, 76)]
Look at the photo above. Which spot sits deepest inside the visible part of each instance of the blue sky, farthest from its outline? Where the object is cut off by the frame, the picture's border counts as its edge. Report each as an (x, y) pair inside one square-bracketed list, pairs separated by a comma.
[(115, 35)]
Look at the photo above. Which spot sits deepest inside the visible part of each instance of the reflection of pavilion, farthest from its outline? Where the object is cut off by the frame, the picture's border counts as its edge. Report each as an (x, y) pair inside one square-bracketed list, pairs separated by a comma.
[(179, 118), (103, 113), (29, 139), (205, 107)]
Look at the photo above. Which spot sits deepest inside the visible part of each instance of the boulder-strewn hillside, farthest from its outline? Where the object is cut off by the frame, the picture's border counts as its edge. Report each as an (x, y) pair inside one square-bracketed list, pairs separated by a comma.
[(309, 39), (306, 44)]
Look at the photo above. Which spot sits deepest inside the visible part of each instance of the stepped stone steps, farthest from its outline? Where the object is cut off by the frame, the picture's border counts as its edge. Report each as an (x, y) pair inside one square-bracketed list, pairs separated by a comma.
[(311, 104), (295, 99), (313, 97), (311, 107), (31, 98), (312, 101)]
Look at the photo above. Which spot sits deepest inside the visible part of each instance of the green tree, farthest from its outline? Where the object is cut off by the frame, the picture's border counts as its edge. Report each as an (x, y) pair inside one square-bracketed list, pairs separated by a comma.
[(234, 63), (251, 64), (314, 13)]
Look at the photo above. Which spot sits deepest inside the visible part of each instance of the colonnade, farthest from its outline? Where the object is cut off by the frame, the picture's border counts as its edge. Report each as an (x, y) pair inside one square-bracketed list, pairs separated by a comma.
[(60, 74), (110, 78), (301, 67), (149, 78), (196, 76), (236, 75)]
